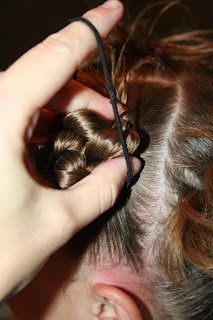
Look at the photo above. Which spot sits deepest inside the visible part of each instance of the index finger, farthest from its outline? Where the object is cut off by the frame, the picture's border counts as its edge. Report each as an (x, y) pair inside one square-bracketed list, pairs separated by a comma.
[(42, 71)]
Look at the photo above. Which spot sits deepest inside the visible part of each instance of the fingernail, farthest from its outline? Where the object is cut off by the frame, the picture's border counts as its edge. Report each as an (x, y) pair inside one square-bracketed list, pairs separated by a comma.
[(136, 165), (111, 4), (120, 107)]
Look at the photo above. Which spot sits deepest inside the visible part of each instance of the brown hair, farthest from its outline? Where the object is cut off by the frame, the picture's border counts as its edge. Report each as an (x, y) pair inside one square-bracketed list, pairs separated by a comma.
[(82, 140), (167, 219)]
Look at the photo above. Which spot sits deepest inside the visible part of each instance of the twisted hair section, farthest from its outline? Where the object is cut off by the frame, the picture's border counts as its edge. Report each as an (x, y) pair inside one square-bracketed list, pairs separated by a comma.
[(174, 193), (82, 141), (189, 229), (174, 76)]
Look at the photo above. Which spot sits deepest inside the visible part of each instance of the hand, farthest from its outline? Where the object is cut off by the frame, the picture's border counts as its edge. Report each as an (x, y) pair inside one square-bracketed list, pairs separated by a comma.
[(35, 221)]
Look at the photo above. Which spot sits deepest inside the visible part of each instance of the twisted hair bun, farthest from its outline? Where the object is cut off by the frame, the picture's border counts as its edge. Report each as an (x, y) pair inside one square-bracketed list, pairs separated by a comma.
[(82, 140)]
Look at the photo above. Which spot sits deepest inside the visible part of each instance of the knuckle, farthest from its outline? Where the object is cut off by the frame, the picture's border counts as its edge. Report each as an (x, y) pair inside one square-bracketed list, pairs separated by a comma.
[(59, 43), (113, 193), (62, 223), (92, 15), (108, 196)]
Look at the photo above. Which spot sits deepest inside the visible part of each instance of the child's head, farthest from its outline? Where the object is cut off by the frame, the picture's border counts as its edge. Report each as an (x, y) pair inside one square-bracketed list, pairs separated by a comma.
[(150, 256)]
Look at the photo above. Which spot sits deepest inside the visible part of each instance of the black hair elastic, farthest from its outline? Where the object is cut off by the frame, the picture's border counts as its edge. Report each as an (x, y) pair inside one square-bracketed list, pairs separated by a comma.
[(112, 96)]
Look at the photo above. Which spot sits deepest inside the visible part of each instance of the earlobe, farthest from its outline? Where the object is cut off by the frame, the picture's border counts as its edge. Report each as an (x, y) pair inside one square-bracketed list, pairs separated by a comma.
[(124, 306)]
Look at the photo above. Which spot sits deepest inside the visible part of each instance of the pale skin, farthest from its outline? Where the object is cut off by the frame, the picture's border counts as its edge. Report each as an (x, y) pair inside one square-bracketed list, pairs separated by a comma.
[(36, 221), (68, 288)]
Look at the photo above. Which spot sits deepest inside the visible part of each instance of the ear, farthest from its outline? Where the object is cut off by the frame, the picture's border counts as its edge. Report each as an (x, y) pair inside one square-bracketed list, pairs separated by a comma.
[(122, 305)]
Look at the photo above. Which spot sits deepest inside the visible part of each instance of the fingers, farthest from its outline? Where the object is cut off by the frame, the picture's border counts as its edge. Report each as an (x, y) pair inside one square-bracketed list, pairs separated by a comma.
[(77, 96), (44, 70), (95, 194), (73, 96)]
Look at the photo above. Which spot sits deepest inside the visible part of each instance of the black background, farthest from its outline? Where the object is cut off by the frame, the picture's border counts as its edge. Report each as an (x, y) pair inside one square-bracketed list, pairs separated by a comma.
[(23, 23)]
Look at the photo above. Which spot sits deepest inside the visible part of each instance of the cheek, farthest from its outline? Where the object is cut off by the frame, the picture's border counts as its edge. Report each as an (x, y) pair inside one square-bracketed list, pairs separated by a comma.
[(34, 303), (38, 302), (80, 299), (44, 298), (52, 295), (65, 307)]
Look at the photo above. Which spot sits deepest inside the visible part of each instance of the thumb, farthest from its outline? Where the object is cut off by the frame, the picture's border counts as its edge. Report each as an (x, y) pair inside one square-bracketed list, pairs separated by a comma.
[(97, 192)]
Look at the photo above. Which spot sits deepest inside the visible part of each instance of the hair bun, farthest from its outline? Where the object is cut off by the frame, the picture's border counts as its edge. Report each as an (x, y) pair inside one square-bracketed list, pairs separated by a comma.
[(69, 168), (82, 141)]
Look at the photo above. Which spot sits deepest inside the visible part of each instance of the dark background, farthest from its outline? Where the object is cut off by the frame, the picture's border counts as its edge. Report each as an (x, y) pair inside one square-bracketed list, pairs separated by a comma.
[(23, 23)]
